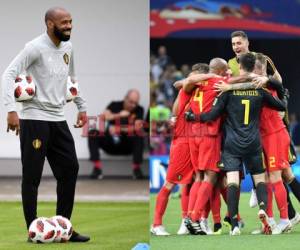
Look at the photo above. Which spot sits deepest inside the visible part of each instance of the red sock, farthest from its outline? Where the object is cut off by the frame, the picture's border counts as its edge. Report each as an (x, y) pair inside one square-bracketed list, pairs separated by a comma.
[(203, 195), (215, 204), (193, 196), (97, 164), (161, 205), (185, 200), (270, 200), (206, 210), (135, 166), (281, 199)]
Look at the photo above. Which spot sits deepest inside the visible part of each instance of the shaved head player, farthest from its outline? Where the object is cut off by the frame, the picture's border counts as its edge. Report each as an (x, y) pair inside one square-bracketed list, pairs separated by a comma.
[(43, 129)]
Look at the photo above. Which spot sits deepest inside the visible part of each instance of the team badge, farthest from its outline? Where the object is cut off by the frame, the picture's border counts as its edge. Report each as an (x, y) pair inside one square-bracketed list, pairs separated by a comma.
[(220, 165), (66, 58), (36, 144), (179, 177), (204, 83)]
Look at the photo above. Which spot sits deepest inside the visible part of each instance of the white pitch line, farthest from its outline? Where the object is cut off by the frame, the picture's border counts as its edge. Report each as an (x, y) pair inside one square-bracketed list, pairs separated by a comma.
[(17, 197)]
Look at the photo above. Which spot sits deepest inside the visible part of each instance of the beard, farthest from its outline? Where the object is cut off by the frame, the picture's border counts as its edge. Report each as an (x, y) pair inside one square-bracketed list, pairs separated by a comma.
[(60, 35)]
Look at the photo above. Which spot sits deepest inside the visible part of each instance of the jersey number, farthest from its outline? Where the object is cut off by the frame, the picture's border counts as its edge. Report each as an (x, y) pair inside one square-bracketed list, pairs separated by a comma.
[(198, 97), (272, 161), (247, 109)]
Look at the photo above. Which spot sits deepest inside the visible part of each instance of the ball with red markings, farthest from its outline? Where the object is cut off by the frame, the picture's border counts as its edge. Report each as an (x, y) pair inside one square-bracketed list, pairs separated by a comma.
[(64, 228), (42, 230), (24, 88), (72, 89)]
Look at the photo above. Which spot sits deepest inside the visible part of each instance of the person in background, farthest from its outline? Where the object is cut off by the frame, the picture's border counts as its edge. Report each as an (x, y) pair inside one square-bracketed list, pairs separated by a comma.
[(120, 136), (163, 59), (295, 132)]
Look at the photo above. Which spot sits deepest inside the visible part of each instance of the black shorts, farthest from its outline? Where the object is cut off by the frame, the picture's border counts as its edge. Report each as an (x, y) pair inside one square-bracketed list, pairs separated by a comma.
[(253, 162)]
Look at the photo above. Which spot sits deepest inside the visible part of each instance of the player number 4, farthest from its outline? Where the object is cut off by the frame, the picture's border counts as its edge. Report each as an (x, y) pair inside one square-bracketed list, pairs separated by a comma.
[(198, 97)]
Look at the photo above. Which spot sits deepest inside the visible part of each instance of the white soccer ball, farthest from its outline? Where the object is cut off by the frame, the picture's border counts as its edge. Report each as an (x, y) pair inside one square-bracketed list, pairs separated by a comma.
[(42, 230), (24, 88), (64, 228), (72, 89)]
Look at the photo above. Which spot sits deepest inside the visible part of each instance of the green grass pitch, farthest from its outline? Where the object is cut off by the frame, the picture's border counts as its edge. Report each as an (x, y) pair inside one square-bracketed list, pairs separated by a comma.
[(113, 225), (246, 241)]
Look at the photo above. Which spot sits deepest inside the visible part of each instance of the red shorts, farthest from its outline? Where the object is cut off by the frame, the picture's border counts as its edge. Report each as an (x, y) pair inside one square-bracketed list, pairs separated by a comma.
[(180, 168), (276, 150), (205, 152)]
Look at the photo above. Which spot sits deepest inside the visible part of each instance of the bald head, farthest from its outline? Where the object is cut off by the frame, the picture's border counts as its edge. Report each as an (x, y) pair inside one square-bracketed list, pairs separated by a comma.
[(54, 13), (133, 93), (131, 99), (59, 23), (218, 66)]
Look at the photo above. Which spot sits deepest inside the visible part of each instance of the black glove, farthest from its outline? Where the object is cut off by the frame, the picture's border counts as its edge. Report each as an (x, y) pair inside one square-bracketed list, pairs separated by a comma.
[(189, 116)]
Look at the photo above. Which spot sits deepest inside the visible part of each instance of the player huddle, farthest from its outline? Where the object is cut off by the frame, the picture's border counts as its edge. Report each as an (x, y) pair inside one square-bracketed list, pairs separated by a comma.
[(230, 116)]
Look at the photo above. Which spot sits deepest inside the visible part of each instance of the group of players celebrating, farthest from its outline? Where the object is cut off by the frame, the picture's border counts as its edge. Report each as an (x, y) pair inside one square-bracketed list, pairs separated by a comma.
[(228, 116)]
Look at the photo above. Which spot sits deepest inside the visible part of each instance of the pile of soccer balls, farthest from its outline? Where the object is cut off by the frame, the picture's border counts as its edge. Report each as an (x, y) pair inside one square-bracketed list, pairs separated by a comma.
[(54, 229), (24, 89)]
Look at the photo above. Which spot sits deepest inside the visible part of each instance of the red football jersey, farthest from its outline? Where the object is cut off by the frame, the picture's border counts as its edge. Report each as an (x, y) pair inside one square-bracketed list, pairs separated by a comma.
[(183, 103), (270, 120), (202, 100)]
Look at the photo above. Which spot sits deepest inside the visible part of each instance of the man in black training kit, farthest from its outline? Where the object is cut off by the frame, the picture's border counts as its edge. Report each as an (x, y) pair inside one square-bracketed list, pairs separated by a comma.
[(44, 132), (242, 140), (122, 136)]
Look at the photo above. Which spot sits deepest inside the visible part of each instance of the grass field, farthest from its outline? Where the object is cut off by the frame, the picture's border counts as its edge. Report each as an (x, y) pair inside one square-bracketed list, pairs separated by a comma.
[(246, 241), (110, 225)]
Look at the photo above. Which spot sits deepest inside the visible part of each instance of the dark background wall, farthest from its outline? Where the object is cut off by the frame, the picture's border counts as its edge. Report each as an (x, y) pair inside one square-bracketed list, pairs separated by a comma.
[(285, 54)]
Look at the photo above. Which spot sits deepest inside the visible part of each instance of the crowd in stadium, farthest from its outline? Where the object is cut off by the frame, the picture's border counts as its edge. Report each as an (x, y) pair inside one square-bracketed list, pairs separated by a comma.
[(163, 73)]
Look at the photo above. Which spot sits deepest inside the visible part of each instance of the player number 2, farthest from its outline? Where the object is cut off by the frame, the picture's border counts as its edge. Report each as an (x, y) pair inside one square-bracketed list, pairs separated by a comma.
[(272, 161), (247, 109), (199, 98)]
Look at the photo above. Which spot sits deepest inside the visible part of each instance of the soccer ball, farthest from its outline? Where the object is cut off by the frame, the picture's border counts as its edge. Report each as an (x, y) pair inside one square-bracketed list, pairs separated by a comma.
[(72, 89), (63, 227), (24, 88), (42, 230)]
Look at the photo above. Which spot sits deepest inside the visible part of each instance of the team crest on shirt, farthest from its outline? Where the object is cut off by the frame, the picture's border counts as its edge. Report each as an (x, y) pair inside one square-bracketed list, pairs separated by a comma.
[(36, 144), (204, 83), (66, 58), (220, 165), (179, 177)]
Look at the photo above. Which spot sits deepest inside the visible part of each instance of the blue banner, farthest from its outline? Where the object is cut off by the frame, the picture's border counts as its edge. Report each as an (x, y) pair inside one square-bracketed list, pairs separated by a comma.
[(158, 170)]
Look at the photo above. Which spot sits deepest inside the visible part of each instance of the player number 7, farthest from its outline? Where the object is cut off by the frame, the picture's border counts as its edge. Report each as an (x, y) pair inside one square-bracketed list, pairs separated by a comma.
[(247, 109)]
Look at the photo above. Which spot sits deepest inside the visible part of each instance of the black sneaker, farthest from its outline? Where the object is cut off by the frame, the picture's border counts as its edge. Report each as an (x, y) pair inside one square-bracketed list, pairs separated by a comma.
[(137, 174), (76, 237), (194, 227), (217, 228), (188, 224), (96, 174)]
